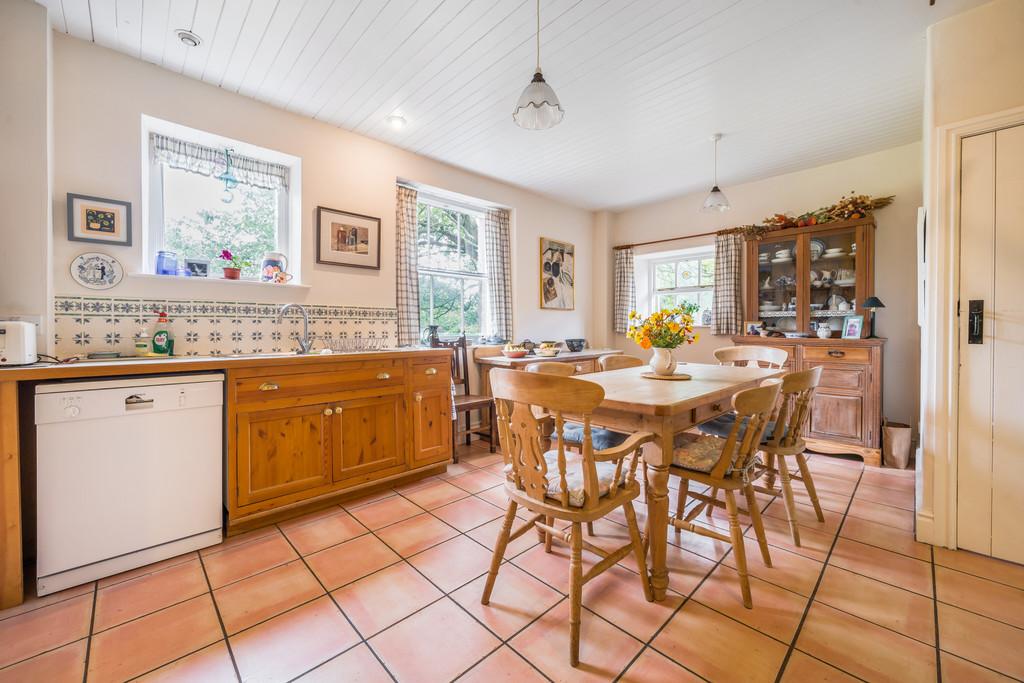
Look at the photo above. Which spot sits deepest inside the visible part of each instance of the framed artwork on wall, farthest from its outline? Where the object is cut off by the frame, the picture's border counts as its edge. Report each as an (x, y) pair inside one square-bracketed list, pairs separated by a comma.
[(95, 219), (557, 275), (347, 239)]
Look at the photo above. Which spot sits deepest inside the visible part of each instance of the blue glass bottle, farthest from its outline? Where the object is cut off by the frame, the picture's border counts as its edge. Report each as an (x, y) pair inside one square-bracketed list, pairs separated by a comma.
[(166, 263)]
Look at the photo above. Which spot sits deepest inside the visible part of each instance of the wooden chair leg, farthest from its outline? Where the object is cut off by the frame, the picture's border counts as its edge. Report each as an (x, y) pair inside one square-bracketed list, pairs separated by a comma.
[(499, 551), (805, 476), (770, 463), (639, 552), (755, 517), (708, 508), (684, 489), (590, 529), (469, 435), (550, 521), (787, 495), (736, 533), (455, 435), (492, 423), (575, 592)]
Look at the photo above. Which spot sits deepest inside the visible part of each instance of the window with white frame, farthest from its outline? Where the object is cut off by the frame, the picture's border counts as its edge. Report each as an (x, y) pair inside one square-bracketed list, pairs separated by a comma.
[(207, 194), (451, 266), (688, 278)]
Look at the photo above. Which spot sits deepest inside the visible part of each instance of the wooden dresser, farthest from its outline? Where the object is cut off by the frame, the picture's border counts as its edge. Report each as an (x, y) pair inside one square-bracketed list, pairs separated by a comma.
[(846, 415)]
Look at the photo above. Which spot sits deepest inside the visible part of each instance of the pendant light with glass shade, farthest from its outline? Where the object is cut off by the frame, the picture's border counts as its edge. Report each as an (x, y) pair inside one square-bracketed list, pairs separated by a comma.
[(538, 107), (716, 200)]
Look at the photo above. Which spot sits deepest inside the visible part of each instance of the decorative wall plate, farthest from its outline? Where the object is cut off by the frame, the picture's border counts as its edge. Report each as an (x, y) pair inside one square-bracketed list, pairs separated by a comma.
[(817, 249), (93, 270)]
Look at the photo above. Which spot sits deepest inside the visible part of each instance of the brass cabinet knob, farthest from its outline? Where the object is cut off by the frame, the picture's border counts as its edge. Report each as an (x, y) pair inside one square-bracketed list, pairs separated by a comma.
[(383, 376), (269, 386), (430, 371), (338, 410), (328, 411), (836, 353), (419, 398), (716, 407), (579, 368)]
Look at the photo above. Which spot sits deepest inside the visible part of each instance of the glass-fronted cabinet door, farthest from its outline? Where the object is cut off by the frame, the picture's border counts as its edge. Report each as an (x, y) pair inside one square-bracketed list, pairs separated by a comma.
[(833, 282), (777, 305)]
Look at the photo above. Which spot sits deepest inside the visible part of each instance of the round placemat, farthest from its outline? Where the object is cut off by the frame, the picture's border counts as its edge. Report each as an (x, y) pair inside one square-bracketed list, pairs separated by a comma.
[(677, 377)]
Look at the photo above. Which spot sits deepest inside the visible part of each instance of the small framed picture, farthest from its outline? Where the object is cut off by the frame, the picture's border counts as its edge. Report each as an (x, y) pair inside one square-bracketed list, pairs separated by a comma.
[(94, 219), (752, 327), (347, 239), (853, 325), (197, 267)]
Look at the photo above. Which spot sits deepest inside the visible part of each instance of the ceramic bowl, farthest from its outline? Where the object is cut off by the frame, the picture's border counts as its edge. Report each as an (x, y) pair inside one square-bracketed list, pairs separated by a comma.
[(514, 354), (547, 353)]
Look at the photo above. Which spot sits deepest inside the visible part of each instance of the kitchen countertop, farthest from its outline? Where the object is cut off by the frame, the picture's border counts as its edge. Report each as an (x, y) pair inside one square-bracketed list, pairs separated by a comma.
[(585, 354), (152, 366)]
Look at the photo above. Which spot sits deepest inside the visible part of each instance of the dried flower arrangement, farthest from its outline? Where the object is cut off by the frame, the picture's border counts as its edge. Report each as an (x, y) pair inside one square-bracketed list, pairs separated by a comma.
[(847, 208)]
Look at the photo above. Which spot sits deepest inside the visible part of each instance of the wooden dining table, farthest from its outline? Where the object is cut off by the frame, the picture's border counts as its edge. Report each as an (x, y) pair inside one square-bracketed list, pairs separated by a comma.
[(633, 403)]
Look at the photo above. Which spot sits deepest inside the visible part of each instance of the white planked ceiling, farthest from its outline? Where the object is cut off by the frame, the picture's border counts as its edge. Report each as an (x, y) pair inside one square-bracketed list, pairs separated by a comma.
[(791, 84)]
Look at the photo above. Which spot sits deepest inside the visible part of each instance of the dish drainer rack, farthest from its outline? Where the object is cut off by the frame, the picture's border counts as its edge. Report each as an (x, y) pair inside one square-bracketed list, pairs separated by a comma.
[(351, 344)]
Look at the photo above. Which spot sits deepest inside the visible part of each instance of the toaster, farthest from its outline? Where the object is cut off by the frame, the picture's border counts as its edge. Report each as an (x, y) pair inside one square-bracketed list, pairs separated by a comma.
[(17, 343)]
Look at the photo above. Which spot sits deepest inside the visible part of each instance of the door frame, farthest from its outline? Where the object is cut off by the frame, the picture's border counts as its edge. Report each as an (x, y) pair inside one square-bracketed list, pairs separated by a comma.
[(940, 356)]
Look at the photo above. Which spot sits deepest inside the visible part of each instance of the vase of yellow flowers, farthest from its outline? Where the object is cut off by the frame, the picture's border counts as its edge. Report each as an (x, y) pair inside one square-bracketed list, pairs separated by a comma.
[(663, 331)]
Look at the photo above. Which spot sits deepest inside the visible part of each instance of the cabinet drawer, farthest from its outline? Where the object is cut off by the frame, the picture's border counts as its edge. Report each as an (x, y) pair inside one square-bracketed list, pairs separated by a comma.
[(584, 366), (431, 373), (344, 376), (837, 354), (711, 411), (841, 376)]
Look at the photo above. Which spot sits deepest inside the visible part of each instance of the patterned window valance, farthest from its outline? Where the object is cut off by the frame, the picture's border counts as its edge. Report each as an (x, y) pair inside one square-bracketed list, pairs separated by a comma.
[(210, 161)]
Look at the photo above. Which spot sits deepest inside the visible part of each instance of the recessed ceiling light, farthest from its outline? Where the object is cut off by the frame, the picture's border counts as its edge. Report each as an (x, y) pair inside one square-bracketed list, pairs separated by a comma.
[(396, 121), (188, 38)]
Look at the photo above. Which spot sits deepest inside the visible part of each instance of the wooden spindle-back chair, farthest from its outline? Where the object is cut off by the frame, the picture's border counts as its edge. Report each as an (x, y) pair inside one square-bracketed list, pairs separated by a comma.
[(618, 361), (752, 356), (560, 485), (465, 402)]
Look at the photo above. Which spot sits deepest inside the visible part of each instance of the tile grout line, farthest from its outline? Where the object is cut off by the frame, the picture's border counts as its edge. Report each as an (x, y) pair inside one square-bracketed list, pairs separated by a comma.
[(92, 623), (220, 620), (814, 591), (935, 611)]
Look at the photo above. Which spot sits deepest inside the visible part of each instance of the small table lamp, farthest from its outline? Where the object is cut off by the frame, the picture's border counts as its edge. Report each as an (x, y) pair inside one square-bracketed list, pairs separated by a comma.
[(872, 303)]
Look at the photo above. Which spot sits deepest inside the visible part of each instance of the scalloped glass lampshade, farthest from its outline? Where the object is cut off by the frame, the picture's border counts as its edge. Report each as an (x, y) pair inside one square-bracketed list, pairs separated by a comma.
[(538, 107), (716, 201)]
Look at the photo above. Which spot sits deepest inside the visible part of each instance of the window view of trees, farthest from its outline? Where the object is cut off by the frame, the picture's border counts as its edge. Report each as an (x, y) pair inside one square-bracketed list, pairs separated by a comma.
[(687, 280), (450, 263)]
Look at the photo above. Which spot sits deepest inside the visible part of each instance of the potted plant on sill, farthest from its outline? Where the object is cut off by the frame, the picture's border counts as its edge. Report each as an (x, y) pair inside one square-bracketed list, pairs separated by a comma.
[(233, 271), (663, 331)]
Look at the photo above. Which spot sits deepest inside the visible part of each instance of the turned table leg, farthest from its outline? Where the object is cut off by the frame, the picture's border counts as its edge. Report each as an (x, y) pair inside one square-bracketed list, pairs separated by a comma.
[(657, 511)]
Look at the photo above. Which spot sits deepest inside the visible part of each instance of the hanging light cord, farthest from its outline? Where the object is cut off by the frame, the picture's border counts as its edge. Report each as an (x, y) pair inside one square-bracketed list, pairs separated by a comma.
[(716, 162), (538, 35)]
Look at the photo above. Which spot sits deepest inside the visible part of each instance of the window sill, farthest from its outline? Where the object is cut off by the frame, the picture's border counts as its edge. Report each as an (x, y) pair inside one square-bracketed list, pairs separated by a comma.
[(217, 280)]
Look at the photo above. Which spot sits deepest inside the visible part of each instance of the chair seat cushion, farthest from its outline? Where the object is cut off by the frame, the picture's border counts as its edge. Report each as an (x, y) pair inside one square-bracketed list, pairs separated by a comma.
[(698, 453), (722, 425), (574, 477), (600, 438)]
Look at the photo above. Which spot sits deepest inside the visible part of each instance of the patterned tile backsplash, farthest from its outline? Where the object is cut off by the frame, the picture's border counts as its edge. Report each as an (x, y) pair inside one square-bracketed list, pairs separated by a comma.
[(89, 324)]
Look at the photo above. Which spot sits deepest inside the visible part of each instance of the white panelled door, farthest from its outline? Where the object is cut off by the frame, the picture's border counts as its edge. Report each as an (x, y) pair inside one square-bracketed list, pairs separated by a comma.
[(990, 452)]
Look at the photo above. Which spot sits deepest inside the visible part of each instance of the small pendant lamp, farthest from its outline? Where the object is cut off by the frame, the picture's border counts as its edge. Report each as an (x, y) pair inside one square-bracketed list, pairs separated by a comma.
[(716, 200), (538, 107)]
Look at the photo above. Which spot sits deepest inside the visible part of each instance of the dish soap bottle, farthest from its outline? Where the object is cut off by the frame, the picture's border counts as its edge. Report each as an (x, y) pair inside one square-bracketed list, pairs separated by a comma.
[(142, 341), (162, 342)]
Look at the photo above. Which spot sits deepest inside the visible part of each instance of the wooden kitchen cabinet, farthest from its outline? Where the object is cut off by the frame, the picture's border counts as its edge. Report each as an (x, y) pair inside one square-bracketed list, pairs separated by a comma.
[(369, 434), (432, 425)]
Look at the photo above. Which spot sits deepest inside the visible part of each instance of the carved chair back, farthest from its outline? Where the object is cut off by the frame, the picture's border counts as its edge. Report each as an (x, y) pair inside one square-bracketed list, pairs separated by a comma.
[(793, 411), (753, 356), (618, 361), (753, 409)]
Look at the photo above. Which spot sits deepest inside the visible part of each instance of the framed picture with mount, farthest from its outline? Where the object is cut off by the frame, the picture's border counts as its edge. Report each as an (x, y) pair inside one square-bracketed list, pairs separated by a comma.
[(99, 220), (347, 239), (557, 275)]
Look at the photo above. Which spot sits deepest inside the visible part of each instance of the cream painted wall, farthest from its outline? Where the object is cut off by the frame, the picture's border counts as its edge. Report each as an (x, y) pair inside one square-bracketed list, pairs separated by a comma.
[(25, 174), (895, 171), (98, 152)]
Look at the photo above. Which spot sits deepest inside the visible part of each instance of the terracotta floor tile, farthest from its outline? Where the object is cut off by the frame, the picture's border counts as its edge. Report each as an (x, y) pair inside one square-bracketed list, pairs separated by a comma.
[(241, 539), (385, 512), (468, 513), (323, 532), (368, 498), (358, 664), (805, 516), (791, 571), (653, 667), (883, 514), (410, 649), (685, 569), (955, 669), (65, 664), (608, 535), (120, 602), (880, 603), (616, 594), (829, 500), (986, 567), (887, 537), (844, 484), (46, 628), (210, 665), (148, 569), (151, 641), (899, 498), (503, 665), (991, 599), (605, 651), (864, 649), (477, 481), (725, 651), (813, 544), (776, 611), (416, 484), (498, 497), (292, 643), (892, 568), (487, 534), (34, 602), (351, 560), (517, 599), (379, 600), (887, 478), (802, 668), (257, 598), (484, 459), (435, 494), (453, 563), (701, 545), (416, 534), (241, 561), (982, 640), (456, 469), (551, 568)]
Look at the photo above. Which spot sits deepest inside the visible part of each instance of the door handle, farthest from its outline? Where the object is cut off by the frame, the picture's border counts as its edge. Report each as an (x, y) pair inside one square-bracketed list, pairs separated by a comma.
[(976, 321), (383, 376), (430, 371), (836, 353), (269, 386)]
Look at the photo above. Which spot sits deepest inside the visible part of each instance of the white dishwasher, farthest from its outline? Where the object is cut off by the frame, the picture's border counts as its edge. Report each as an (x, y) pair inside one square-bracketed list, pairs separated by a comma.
[(128, 472)]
